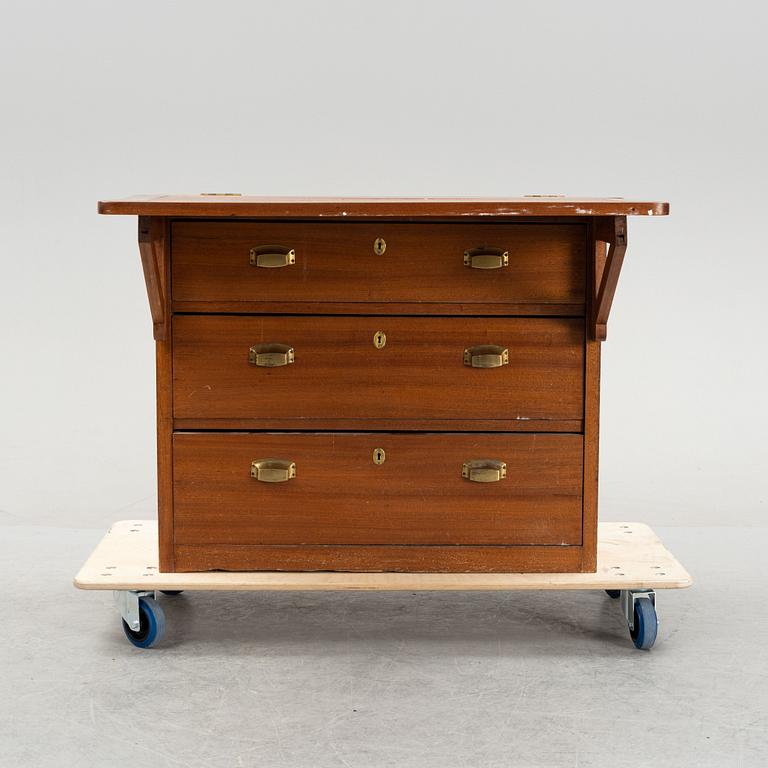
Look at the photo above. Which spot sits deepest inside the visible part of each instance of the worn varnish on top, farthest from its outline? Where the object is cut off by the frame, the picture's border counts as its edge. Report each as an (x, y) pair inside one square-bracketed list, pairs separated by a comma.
[(248, 206)]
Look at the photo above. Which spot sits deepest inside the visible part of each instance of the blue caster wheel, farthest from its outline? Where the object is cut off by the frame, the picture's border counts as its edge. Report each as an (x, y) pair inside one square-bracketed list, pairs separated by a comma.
[(171, 592), (152, 624), (614, 594), (646, 623)]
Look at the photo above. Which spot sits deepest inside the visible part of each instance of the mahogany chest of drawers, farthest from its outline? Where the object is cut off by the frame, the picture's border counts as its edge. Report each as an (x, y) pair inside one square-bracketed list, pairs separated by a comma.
[(379, 385)]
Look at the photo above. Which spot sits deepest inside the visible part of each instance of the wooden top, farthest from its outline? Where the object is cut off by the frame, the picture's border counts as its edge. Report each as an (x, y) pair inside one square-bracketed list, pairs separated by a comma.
[(376, 207), (629, 556)]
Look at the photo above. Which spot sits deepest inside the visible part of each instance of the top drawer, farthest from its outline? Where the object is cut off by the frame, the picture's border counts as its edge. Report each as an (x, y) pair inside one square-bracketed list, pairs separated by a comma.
[(425, 264)]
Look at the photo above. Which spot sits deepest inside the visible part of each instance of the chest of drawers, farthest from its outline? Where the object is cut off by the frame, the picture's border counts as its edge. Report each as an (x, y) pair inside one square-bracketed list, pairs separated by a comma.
[(379, 385)]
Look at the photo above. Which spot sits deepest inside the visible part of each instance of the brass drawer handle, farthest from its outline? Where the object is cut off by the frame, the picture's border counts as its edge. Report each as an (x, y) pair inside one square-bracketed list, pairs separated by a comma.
[(484, 470), (486, 356), (486, 258), (271, 256), (273, 470), (270, 355)]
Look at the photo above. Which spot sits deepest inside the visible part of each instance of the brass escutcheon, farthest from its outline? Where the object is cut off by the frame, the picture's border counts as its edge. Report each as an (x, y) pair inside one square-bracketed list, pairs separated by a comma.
[(379, 339)]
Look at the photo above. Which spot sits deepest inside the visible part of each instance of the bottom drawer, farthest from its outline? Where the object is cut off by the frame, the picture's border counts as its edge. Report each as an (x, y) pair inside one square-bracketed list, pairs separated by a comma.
[(376, 489)]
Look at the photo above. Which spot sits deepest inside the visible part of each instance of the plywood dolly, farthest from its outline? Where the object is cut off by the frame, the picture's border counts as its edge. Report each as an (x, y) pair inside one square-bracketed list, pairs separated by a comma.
[(632, 564)]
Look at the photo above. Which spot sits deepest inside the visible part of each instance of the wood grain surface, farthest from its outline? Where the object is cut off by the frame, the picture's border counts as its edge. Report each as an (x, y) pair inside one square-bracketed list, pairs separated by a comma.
[(456, 309), (154, 249), (161, 251), (339, 373), (341, 496), (336, 262), (368, 424), (370, 558)]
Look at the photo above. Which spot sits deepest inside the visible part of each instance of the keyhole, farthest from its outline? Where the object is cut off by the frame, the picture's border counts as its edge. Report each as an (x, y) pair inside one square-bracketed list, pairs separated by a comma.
[(379, 339), (379, 456), (379, 245)]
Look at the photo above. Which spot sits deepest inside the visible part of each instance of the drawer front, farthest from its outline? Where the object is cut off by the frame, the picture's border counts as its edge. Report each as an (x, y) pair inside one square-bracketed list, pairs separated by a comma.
[(339, 494), (417, 371), (378, 262)]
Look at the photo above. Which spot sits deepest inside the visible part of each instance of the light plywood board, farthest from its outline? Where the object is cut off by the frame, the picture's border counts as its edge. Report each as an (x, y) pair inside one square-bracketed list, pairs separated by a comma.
[(629, 555)]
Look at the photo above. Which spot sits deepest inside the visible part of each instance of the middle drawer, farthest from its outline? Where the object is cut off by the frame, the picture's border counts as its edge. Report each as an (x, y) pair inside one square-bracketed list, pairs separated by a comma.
[(301, 369)]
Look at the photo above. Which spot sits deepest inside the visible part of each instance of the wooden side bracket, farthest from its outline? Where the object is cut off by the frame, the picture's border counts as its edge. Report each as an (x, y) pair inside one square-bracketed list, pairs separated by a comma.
[(151, 236), (612, 231)]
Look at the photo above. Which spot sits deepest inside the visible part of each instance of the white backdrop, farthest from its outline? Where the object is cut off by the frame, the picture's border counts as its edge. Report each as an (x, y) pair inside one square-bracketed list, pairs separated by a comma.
[(659, 100)]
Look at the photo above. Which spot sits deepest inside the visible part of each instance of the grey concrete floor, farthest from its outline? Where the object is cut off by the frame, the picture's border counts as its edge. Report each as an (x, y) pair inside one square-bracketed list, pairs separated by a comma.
[(361, 680)]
